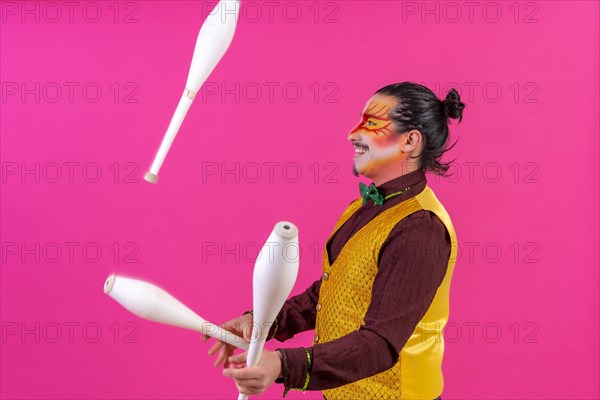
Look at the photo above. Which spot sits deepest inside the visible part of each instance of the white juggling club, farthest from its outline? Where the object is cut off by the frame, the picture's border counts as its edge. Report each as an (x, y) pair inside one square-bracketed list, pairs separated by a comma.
[(150, 302), (213, 41), (275, 273)]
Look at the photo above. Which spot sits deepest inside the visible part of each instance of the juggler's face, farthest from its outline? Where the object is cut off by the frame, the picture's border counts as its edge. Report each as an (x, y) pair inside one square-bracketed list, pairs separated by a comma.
[(377, 145)]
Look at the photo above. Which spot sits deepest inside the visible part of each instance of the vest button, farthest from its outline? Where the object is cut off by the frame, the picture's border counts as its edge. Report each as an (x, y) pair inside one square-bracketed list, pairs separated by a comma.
[(325, 276), (316, 339), (318, 306)]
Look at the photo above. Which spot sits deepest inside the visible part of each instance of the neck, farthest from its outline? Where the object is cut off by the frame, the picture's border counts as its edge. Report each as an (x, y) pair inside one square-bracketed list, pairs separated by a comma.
[(393, 172)]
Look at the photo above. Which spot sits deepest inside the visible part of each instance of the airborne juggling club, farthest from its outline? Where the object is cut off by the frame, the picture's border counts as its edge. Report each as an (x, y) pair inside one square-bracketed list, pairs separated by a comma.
[(213, 41)]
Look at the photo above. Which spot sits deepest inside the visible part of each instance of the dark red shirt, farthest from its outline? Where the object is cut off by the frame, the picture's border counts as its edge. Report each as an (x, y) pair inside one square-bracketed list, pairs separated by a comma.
[(412, 264)]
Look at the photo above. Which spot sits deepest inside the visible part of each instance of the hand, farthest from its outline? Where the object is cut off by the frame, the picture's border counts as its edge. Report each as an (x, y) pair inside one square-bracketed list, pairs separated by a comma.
[(256, 379), (241, 326)]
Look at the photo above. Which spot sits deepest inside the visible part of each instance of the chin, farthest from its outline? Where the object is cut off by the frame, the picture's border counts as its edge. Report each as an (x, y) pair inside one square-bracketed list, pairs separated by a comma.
[(360, 171)]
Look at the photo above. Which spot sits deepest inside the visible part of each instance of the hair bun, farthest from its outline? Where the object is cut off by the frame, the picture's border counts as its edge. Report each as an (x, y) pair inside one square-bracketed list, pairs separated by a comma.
[(453, 107)]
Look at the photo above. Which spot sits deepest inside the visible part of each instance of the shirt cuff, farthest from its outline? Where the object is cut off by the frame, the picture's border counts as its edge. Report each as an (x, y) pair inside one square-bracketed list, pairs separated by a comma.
[(296, 367), (274, 326)]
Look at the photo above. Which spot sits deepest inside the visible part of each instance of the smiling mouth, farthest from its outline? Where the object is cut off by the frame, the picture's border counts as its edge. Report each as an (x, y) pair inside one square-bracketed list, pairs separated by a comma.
[(360, 150)]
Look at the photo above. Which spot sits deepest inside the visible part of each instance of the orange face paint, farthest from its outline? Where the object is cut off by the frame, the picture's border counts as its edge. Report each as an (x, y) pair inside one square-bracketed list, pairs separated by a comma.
[(375, 132), (375, 118)]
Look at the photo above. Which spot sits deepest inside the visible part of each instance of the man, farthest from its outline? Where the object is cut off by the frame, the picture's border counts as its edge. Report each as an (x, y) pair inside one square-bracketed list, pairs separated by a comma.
[(383, 299)]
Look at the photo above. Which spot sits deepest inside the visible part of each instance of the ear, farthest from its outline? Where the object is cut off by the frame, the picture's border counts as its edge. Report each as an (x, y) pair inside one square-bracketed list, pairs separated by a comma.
[(413, 141)]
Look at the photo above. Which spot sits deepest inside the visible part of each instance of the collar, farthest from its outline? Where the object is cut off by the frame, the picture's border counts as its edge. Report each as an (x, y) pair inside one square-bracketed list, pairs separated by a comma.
[(402, 182)]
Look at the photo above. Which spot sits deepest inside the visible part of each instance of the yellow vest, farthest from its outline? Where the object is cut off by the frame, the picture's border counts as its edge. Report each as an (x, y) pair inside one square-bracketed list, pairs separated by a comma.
[(345, 295)]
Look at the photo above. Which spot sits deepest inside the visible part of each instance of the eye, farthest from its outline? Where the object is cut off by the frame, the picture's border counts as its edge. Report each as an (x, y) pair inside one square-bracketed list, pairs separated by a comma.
[(370, 123)]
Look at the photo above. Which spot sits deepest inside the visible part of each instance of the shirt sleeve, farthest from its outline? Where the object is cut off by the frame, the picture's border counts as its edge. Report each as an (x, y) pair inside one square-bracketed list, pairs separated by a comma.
[(297, 315), (412, 264)]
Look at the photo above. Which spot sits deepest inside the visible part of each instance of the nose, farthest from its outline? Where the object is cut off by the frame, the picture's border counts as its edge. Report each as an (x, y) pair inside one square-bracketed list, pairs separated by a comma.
[(354, 134)]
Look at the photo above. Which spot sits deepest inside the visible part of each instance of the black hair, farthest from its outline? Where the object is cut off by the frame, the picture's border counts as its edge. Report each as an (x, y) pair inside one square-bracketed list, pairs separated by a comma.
[(419, 108)]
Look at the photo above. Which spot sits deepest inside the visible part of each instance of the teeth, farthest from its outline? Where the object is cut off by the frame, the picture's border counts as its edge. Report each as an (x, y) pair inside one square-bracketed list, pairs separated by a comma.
[(359, 150)]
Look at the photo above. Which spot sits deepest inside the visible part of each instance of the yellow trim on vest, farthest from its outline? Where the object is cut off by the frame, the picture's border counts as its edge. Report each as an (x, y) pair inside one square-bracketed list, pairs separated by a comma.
[(345, 296)]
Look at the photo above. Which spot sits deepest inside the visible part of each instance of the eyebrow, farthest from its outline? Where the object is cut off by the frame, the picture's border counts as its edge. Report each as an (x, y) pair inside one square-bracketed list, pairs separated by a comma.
[(380, 117)]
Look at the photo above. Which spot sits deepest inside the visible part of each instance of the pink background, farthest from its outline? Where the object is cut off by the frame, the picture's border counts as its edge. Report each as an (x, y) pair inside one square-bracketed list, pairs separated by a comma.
[(524, 305)]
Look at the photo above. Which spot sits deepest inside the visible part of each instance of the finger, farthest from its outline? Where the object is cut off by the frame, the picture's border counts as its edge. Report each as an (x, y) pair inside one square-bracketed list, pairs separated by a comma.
[(204, 338), (242, 389), (252, 387), (247, 332), (242, 374), (222, 356), (239, 358), (215, 348), (227, 364)]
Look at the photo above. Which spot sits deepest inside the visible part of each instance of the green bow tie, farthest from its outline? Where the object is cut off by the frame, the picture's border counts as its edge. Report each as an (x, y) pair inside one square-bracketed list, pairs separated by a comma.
[(370, 192)]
